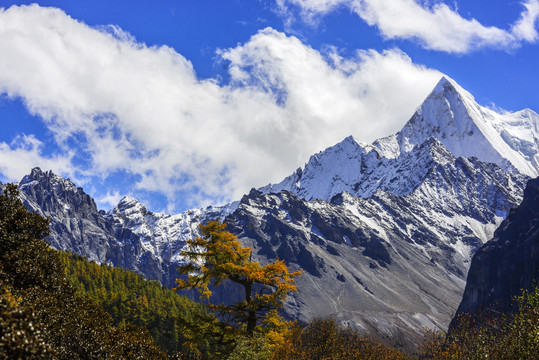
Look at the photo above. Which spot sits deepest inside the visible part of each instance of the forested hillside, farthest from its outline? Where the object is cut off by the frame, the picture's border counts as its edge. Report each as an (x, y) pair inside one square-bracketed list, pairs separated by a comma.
[(41, 315), (129, 298)]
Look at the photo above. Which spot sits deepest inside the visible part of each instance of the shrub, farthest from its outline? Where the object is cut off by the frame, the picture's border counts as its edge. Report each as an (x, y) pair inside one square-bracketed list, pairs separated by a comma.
[(488, 334), (325, 340)]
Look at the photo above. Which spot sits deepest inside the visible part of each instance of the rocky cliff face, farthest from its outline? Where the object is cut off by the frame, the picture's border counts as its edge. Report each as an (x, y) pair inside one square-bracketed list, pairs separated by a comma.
[(128, 235), (78, 226), (76, 223), (390, 264), (509, 262)]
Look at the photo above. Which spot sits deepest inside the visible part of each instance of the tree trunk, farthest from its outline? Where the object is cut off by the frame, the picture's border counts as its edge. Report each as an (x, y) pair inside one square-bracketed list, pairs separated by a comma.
[(251, 314)]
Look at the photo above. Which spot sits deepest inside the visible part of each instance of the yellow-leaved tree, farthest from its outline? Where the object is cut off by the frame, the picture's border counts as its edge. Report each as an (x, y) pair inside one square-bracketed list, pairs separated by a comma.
[(216, 257)]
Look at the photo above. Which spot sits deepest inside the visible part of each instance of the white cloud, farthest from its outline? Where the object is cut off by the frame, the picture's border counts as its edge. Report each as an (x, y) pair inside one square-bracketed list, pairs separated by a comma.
[(142, 110), (524, 28), (25, 153), (437, 26), (109, 200)]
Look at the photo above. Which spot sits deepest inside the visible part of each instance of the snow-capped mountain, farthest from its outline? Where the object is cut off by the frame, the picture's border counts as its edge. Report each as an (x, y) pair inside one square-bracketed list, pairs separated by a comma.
[(391, 264), (161, 234), (384, 231), (76, 224), (467, 129), (450, 115), (128, 235)]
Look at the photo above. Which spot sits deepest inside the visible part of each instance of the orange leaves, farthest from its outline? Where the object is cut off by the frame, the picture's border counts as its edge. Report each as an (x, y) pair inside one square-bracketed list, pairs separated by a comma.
[(325, 340), (218, 256)]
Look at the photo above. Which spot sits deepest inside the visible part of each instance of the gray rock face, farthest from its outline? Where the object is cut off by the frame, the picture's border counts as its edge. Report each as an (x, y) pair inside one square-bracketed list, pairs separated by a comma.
[(509, 262), (76, 225), (389, 264), (128, 235)]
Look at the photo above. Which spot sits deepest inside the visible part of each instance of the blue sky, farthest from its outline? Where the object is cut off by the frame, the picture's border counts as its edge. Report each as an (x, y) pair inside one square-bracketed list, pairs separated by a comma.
[(187, 103)]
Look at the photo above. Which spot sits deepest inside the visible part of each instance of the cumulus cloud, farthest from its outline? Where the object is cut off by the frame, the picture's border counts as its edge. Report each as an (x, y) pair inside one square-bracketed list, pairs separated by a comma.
[(110, 199), (116, 105), (436, 27), (25, 153), (524, 28)]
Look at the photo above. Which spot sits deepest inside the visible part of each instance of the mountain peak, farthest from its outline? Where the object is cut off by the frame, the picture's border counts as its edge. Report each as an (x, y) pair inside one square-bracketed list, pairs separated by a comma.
[(345, 160), (130, 205), (35, 174), (448, 87), (443, 84), (467, 129), (47, 177), (127, 201), (448, 125), (352, 141)]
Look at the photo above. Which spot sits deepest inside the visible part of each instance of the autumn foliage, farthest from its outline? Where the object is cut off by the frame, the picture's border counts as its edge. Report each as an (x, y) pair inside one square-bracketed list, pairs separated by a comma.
[(218, 257), (323, 339)]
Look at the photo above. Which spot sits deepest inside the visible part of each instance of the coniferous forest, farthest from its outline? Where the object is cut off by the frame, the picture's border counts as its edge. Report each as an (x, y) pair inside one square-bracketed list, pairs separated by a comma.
[(131, 299)]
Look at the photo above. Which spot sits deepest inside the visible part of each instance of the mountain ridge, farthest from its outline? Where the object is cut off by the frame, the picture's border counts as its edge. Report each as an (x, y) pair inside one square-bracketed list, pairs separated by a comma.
[(390, 264), (450, 115)]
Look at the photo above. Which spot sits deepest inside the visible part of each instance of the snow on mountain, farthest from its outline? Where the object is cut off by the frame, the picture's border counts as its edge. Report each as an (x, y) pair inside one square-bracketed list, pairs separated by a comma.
[(450, 115), (329, 172), (128, 235), (388, 264), (361, 171), (161, 234)]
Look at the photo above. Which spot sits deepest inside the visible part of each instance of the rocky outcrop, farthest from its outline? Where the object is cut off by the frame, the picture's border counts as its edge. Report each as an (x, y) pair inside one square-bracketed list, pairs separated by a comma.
[(75, 222), (78, 226), (508, 263), (128, 235)]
